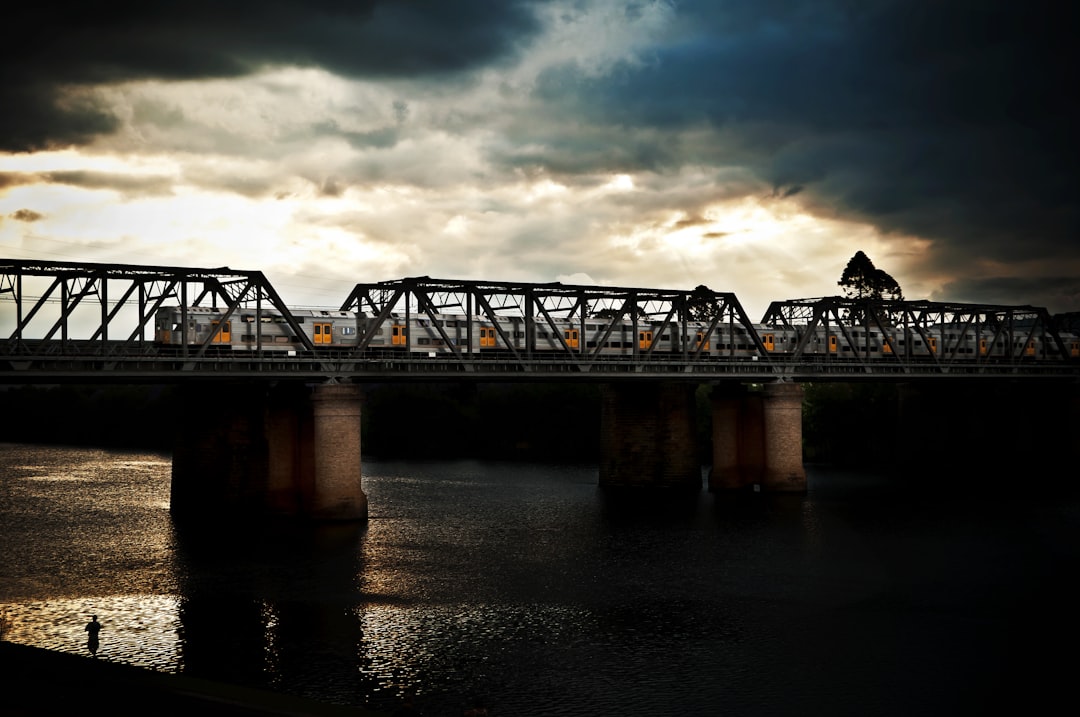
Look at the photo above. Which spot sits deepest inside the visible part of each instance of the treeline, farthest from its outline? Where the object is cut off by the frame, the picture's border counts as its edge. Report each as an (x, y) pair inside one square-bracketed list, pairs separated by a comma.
[(533, 421), (873, 425)]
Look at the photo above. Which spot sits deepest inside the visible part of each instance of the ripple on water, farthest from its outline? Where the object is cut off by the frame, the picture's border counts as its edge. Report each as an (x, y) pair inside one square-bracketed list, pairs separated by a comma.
[(139, 630)]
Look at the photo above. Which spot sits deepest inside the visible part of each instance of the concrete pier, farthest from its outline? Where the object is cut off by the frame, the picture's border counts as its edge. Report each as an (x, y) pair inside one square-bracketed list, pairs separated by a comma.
[(648, 436), (337, 493), (757, 438), (782, 434), (255, 450)]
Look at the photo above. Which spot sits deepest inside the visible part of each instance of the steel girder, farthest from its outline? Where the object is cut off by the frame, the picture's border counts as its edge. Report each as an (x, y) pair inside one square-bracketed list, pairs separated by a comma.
[(997, 324), (47, 301), (543, 304)]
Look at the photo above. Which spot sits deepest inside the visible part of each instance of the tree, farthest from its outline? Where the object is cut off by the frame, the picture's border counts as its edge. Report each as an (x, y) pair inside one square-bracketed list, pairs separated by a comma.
[(862, 280), (701, 304)]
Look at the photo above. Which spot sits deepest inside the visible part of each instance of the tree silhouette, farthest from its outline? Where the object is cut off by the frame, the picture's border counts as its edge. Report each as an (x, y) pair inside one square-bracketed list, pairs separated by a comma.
[(701, 304), (862, 280)]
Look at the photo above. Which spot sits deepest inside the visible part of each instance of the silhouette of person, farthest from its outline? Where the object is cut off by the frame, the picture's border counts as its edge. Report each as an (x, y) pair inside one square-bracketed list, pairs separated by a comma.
[(92, 629)]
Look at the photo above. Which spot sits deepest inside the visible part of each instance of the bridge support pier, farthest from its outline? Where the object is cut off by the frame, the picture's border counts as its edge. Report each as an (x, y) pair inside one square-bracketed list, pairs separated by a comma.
[(338, 494), (757, 438), (283, 450), (648, 436)]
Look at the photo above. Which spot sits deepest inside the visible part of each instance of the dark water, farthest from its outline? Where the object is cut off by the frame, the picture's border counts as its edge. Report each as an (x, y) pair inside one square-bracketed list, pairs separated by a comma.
[(530, 586)]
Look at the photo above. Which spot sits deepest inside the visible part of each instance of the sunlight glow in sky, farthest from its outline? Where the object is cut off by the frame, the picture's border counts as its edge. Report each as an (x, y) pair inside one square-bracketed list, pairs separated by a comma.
[(654, 144)]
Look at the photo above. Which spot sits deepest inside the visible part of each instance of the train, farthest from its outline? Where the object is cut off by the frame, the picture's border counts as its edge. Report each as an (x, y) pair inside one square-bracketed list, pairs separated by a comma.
[(434, 335)]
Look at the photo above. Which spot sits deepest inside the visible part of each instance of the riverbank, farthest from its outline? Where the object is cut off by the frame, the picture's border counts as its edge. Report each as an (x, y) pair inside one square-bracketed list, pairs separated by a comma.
[(43, 683)]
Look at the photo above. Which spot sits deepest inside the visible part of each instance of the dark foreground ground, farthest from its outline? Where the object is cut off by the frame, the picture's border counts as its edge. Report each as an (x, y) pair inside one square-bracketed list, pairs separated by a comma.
[(36, 682)]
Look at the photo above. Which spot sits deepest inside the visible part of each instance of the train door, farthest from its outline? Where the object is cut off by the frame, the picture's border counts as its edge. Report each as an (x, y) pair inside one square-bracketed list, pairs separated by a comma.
[(487, 338), (832, 343), (769, 341), (931, 342), (982, 347), (573, 337), (886, 344), (700, 339), (644, 339), (1029, 349), (323, 333), (225, 335)]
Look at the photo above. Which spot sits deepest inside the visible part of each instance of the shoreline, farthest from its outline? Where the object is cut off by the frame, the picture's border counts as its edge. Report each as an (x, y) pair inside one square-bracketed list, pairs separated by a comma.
[(42, 683)]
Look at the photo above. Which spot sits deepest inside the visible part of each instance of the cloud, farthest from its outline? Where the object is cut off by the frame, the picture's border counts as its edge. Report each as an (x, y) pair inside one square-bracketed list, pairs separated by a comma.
[(647, 143), (61, 45), (26, 215)]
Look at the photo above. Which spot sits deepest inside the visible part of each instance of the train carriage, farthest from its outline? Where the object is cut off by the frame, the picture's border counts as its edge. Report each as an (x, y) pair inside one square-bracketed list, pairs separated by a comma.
[(444, 334), (245, 330)]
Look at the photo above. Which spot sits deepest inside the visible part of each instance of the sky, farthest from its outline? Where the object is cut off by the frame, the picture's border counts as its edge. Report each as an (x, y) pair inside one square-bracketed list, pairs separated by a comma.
[(750, 146)]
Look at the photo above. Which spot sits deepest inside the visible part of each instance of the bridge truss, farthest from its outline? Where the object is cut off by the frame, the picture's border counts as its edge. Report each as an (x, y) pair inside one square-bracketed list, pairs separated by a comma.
[(552, 307), (67, 321), (999, 333), (68, 307)]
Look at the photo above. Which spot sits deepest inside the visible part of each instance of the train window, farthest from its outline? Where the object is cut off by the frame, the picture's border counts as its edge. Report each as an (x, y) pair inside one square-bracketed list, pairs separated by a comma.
[(348, 330), (424, 341)]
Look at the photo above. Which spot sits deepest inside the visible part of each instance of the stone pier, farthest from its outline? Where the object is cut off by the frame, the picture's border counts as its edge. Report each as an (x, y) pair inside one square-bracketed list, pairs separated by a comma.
[(757, 438), (252, 449), (648, 436), (338, 494)]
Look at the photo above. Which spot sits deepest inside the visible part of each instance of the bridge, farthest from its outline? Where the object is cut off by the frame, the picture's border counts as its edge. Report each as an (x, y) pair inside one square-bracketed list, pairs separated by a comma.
[(287, 440), (64, 321)]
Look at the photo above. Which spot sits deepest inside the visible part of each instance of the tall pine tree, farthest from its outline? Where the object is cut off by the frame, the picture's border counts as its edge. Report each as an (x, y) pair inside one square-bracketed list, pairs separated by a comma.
[(862, 280)]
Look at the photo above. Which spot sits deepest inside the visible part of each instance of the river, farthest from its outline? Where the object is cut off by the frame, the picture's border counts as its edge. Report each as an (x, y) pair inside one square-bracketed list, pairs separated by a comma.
[(530, 587)]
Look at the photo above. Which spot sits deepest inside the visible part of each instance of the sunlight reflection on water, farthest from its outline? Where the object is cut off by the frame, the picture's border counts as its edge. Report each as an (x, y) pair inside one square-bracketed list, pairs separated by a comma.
[(138, 630), (511, 579)]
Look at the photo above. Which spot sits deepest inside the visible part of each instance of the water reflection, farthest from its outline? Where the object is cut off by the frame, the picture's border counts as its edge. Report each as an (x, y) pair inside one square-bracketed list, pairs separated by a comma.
[(272, 605), (505, 580)]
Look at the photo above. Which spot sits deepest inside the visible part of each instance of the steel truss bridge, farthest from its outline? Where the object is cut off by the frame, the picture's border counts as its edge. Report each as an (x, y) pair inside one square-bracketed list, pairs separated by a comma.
[(85, 322)]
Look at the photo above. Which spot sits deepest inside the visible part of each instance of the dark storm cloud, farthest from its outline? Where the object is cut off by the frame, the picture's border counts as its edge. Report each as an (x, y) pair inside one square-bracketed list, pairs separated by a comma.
[(1052, 291), (945, 119), (62, 43)]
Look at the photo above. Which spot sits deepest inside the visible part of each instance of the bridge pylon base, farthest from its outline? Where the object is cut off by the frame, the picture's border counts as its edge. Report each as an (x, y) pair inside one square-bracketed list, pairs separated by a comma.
[(757, 438), (284, 450), (648, 436)]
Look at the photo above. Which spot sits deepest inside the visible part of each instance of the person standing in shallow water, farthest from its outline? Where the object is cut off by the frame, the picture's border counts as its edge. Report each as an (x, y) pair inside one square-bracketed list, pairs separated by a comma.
[(92, 629)]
